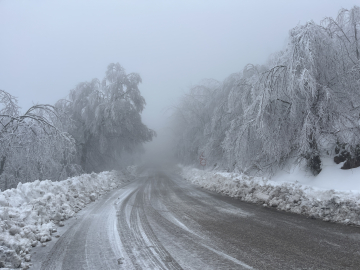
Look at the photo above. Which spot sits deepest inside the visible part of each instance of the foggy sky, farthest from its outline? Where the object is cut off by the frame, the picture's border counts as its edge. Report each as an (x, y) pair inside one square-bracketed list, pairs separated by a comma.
[(48, 47)]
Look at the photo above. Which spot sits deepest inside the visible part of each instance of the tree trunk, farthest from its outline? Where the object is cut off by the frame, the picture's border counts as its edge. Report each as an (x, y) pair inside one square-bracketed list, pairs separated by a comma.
[(83, 159), (40, 171), (356, 40), (2, 165), (313, 158)]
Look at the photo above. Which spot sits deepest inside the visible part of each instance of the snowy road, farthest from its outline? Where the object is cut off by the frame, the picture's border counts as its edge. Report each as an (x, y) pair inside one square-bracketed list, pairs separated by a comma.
[(162, 222)]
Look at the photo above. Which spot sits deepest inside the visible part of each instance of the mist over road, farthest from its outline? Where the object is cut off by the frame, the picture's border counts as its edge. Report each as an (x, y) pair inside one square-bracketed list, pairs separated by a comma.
[(161, 221)]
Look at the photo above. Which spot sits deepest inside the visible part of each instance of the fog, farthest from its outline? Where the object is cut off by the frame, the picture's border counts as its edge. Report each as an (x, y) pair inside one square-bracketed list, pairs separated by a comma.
[(48, 47)]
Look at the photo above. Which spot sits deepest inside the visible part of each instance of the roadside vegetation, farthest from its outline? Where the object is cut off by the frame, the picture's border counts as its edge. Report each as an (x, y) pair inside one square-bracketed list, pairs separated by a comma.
[(97, 127), (301, 106)]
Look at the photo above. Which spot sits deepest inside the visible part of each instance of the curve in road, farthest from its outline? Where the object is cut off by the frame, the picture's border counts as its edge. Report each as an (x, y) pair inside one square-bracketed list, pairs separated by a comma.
[(162, 222)]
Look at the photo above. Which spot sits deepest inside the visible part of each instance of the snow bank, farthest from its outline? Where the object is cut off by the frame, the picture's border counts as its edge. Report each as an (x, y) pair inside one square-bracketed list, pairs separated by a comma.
[(330, 177), (30, 213), (326, 204)]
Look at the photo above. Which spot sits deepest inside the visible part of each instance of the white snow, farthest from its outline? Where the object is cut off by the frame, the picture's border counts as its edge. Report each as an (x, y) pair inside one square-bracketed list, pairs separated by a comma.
[(30, 213), (331, 177), (333, 195)]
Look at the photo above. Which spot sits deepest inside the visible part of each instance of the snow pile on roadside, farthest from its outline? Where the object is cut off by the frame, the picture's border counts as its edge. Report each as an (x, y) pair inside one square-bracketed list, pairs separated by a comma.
[(326, 204), (30, 213), (330, 177)]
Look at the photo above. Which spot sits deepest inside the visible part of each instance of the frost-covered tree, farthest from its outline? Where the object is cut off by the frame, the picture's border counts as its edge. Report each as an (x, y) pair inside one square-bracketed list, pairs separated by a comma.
[(241, 144), (106, 119), (345, 28), (32, 145), (301, 105), (220, 120), (192, 118)]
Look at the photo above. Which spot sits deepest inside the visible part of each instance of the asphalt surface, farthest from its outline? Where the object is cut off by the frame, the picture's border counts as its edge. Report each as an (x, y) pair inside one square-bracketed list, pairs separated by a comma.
[(160, 221)]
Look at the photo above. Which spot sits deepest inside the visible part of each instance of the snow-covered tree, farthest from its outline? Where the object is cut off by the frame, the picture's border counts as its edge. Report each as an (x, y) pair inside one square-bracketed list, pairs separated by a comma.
[(241, 144), (192, 118), (106, 119), (32, 145), (220, 121), (302, 104)]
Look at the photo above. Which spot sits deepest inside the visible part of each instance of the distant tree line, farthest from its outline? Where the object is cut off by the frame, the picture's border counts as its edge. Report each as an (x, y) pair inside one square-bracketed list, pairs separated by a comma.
[(301, 105), (97, 128)]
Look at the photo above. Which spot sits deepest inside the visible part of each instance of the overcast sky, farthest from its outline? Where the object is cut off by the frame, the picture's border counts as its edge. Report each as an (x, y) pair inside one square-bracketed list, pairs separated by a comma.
[(48, 47)]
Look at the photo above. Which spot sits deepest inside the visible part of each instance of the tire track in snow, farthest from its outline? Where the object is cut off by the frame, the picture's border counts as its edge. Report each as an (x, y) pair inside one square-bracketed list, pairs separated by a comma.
[(190, 239), (140, 242), (163, 222), (166, 259), (75, 248), (124, 230)]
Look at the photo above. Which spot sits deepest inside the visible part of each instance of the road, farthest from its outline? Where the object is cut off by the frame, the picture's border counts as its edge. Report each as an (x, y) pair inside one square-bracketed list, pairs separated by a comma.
[(161, 221)]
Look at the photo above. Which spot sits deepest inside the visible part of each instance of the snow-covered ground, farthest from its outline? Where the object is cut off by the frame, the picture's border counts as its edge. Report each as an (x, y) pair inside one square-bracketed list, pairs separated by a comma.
[(30, 213), (333, 195)]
